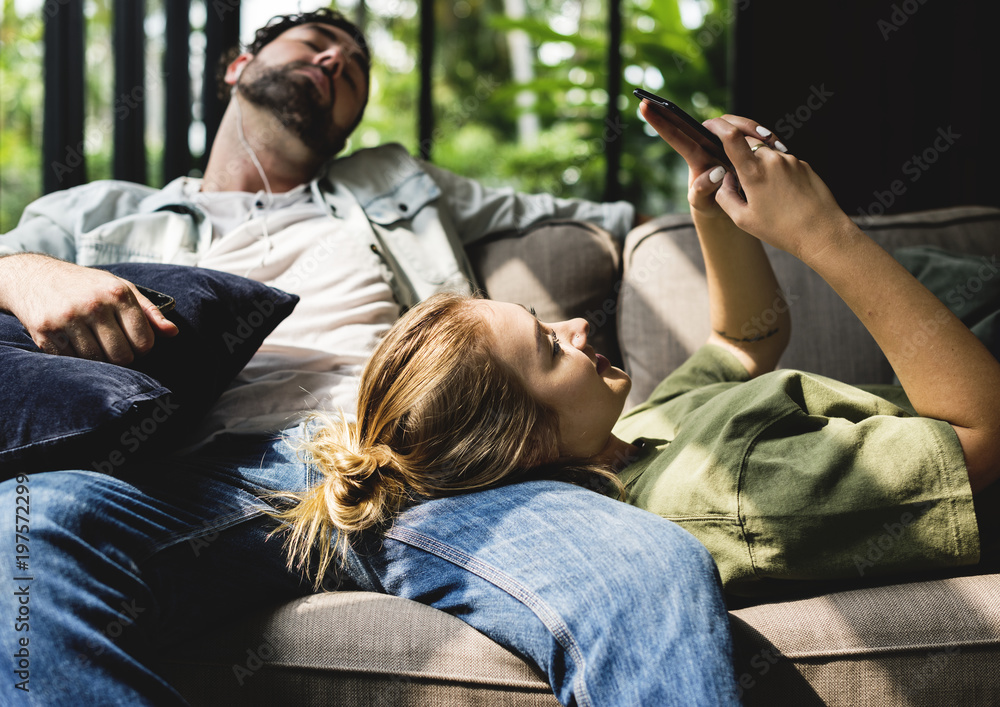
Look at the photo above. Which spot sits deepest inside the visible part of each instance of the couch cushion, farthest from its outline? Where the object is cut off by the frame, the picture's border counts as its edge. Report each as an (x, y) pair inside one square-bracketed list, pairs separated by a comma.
[(969, 285), (663, 304), (564, 269), (922, 643), (65, 412), (353, 648)]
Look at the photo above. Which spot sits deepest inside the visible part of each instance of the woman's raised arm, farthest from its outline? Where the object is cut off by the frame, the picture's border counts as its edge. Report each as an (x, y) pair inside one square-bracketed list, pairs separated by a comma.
[(742, 289), (951, 376)]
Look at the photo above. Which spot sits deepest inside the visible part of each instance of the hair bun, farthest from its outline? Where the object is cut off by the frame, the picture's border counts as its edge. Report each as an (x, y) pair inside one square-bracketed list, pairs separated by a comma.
[(361, 481)]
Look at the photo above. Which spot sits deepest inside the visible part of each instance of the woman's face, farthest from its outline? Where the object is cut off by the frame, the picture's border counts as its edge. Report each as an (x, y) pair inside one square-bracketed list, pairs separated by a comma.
[(561, 370)]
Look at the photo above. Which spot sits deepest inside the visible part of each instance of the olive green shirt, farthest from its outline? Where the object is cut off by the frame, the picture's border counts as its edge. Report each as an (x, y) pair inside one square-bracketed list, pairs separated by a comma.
[(793, 476)]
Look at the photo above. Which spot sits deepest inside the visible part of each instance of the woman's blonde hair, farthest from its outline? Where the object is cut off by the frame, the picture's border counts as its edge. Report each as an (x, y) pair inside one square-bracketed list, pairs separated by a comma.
[(438, 414)]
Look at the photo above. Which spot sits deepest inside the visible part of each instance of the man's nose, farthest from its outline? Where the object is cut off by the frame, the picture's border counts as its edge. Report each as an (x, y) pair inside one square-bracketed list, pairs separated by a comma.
[(332, 61)]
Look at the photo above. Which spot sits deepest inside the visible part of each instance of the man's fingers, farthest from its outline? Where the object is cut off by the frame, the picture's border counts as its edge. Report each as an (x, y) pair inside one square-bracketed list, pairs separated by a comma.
[(152, 315), (56, 343), (121, 342), (84, 344)]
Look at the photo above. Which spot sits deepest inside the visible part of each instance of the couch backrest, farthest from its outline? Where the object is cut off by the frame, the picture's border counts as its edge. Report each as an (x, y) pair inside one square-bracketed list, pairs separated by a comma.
[(564, 269), (663, 305)]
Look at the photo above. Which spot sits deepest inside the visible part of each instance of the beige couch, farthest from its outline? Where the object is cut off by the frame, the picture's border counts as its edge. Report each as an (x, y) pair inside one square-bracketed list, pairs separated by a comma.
[(913, 641)]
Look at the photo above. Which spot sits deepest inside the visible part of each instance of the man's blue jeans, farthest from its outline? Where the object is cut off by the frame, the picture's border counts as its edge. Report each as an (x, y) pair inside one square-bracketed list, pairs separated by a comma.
[(99, 573)]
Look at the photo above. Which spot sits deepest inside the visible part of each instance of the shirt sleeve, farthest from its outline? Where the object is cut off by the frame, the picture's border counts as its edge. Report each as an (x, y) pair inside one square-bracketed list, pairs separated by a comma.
[(708, 365), (38, 232), (825, 496), (479, 211)]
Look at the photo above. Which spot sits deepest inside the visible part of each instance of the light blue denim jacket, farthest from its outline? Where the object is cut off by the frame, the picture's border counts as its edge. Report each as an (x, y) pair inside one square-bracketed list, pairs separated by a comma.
[(418, 218)]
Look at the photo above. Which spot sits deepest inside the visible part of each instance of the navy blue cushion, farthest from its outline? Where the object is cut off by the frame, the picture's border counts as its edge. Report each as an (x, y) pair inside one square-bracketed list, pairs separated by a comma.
[(60, 412)]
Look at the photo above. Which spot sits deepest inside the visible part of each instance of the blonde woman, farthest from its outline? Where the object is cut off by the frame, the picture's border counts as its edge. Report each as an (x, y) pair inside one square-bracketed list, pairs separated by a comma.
[(784, 476)]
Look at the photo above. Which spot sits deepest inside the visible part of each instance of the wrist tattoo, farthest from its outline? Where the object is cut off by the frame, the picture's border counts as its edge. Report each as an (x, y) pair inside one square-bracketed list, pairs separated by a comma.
[(748, 339)]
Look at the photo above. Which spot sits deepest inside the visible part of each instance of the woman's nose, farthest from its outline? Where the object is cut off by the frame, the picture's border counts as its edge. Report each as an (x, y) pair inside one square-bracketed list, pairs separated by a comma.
[(579, 329)]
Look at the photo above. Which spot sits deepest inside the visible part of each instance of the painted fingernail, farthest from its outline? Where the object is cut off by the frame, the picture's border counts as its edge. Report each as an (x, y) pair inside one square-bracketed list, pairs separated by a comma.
[(716, 175), (763, 132), (778, 144)]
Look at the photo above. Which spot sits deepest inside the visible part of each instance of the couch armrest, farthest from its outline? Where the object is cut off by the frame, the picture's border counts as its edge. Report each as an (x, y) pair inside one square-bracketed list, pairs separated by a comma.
[(663, 304)]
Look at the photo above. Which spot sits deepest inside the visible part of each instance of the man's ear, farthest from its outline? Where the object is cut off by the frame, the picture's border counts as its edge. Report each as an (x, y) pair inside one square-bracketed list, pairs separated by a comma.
[(236, 68)]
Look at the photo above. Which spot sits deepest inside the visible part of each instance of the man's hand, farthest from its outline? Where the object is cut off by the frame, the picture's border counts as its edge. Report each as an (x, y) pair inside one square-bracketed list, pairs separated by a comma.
[(71, 310)]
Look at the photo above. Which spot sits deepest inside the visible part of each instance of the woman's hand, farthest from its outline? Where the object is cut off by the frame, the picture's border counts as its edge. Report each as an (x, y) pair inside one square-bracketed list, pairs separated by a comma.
[(705, 174), (741, 283), (787, 204)]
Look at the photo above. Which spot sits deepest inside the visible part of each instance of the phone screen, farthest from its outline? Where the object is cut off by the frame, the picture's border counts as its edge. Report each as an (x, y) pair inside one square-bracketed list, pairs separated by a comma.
[(706, 139)]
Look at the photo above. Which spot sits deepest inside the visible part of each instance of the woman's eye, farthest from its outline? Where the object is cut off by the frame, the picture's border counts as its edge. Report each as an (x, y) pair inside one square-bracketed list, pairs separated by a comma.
[(556, 348)]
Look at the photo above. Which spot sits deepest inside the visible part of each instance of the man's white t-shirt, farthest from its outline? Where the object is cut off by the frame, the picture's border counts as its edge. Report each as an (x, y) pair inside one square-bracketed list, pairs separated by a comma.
[(313, 359)]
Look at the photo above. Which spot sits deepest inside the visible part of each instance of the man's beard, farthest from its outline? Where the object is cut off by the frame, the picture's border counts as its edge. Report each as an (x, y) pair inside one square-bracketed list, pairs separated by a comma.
[(297, 103)]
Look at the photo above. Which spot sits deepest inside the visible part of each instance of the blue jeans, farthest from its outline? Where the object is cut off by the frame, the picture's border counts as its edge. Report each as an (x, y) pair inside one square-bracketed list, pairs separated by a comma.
[(617, 606)]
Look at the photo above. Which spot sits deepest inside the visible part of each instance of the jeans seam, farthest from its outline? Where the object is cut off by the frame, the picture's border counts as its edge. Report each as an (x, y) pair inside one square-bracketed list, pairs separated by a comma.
[(221, 523), (508, 584)]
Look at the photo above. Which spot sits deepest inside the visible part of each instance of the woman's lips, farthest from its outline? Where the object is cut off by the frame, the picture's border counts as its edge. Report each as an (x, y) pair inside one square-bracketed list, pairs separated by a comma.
[(602, 363)]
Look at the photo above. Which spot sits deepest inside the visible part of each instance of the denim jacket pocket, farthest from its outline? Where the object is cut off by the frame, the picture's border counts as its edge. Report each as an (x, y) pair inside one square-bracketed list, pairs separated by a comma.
[(404, 202)]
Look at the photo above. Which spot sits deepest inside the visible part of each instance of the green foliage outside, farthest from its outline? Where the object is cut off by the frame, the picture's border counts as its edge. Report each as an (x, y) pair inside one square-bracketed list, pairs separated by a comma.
[(21, 96), (475, 97)]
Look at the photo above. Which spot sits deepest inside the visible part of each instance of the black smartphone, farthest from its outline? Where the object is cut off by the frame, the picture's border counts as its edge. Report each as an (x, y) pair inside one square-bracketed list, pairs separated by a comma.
[(705, 138), (163, 302)]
